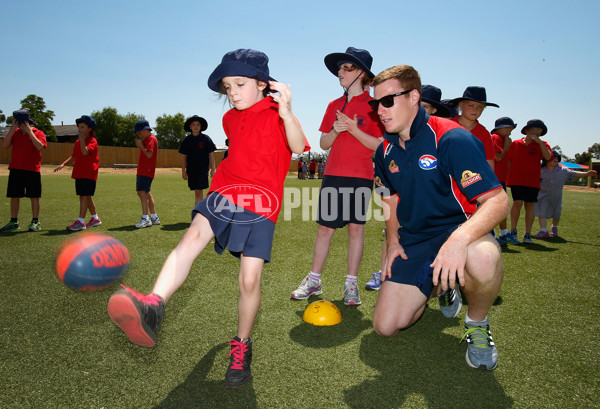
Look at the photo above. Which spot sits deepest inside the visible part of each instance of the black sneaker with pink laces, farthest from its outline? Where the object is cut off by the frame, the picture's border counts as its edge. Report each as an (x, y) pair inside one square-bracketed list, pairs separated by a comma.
[(240, 356), (138, 315)]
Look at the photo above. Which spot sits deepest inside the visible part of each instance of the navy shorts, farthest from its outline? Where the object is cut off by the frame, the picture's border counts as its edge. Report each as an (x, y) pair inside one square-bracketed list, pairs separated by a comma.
[(197, 180), (85, 187), (237, 229), (524, 193), (415, 270), (24, 183), (343, 200), (143, 183)]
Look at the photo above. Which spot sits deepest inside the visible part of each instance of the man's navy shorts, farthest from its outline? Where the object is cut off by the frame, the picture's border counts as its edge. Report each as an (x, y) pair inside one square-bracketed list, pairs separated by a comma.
[(237, 229)]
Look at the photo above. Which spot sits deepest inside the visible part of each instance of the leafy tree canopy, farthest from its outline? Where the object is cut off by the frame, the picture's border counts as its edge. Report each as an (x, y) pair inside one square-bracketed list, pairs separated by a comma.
[(113, 129), (169, 130)]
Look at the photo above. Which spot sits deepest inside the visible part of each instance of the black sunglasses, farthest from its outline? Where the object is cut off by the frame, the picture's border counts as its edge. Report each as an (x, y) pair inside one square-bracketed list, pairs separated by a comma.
[(387, 101)]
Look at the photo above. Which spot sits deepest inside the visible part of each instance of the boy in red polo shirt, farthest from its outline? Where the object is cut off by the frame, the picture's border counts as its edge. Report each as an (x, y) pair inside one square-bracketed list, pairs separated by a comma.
[(24, 179), (85, 172), (240, 210), (524, 170), (503, 127), (353, 131), (471, 105), (148, 146)]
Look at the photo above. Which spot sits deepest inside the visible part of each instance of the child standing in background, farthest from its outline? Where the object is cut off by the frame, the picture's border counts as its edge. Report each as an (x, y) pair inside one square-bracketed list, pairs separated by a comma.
[(148, 146), (85, 172), (549, 204)]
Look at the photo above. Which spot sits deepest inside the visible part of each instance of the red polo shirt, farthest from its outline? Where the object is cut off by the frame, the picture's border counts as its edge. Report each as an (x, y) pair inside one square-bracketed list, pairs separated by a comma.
[(147, 166), (500, 168), (86, 167), (348, 156), (524, 163), (484, 136), (259, 158), (24, 155)]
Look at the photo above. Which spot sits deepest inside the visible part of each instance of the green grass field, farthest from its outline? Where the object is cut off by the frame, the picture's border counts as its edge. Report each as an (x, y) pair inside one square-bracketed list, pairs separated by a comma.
[(59, 349)]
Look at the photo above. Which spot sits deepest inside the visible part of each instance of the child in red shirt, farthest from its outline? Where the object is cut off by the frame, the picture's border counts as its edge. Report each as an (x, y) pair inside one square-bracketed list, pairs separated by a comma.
[(240, 210), (471, 105), (524, 169), (148, 146), (24, 179), (85, 172)]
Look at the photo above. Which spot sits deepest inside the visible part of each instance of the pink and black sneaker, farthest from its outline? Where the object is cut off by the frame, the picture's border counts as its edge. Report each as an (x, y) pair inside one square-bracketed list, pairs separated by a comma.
[(240, 356)]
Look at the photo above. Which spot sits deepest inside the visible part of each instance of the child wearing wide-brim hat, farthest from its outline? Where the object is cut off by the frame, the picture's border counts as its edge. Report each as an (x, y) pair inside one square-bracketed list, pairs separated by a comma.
[(197, 156), (471, 105), (431, 97), (240, 210), (353, 131)]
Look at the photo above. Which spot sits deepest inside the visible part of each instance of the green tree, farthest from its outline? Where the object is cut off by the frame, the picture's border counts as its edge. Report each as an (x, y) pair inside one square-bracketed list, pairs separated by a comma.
[(113, 129), (169, 130), (2, 117), (42, 117)]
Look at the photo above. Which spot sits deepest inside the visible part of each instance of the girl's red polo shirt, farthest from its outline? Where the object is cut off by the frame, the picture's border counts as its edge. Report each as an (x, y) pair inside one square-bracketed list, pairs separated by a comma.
[(24, 155), (86, 167), (147, 166)]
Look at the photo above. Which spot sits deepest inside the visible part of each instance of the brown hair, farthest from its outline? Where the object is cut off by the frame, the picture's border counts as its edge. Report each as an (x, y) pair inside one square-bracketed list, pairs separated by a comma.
[(265, 92), (408, 77)]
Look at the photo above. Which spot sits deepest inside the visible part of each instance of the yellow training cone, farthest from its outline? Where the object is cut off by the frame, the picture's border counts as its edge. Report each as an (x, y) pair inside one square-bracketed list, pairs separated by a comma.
[(322, 313)]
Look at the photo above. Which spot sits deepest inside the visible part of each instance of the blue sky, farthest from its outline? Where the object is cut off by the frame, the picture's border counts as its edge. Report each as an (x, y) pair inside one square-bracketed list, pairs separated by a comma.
[(536, 59)]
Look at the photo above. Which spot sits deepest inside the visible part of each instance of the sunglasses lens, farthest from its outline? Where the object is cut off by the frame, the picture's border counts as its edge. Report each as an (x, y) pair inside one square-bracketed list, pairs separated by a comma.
[(374, 104), (387, 101)]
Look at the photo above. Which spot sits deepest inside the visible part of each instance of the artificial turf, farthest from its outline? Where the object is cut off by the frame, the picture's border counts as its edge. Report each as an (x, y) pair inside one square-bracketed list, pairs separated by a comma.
[(59, 349)]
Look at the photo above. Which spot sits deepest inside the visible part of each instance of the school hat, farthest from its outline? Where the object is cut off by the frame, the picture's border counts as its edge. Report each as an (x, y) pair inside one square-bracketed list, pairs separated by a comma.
[(88, 120), (141, 125), (504, 122), (188, 122), (451, 106), (242, 62), (535, 123), (476, 94), (355, 56), (433, 95), (22, 115)]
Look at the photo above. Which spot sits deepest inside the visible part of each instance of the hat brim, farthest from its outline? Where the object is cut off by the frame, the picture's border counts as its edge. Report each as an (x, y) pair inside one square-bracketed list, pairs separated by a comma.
[(544, 129), (79, 121), (487, 104), (235, 69), (333, 61), (188, 122), (143, 129), (442, 110), (504, 126)]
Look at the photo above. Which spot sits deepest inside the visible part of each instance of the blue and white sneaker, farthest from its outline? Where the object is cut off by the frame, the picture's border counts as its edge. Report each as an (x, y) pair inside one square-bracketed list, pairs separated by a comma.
[(375, 283), (510, 237), (481, 350), (450, 302)]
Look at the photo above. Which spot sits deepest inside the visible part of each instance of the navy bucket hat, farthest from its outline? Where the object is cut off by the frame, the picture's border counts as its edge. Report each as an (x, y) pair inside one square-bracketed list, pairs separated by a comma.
[(141, 125), (433, 95), (188, 122), (355, 56), (477, 94), (243, 62), (21, 116), (504, 122), (535, 123), (88, 120)]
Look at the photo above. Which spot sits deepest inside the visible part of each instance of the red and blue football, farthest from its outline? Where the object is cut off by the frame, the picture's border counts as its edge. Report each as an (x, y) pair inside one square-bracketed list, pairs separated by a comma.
[(91, 261)]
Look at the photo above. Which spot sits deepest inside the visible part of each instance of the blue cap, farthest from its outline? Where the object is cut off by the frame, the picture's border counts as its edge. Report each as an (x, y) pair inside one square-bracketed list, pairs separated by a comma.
[(141, 125), (88, 120), (242, 62)]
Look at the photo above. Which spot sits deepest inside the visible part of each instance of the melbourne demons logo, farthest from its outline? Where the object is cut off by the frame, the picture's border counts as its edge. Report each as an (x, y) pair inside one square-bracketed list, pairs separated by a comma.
[(427, 162)]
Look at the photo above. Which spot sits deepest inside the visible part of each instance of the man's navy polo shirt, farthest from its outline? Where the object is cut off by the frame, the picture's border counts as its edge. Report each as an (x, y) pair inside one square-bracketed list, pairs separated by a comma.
[(438, 176)]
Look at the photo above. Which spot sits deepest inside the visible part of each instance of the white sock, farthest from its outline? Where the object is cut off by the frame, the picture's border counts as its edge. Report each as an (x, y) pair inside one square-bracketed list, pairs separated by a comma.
[(81, 219), (351, 279), (469, 320), (153, 215), (144, 216), (543, 229), (503, 232), (314, 276), (95, 216)]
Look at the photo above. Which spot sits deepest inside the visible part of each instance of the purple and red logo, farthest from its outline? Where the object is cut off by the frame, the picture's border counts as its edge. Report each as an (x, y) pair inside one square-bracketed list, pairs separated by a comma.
[(427, 162), (233, 199)]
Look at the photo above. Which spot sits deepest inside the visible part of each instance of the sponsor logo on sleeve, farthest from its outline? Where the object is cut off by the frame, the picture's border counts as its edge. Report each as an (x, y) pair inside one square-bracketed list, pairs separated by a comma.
[(393, 167), (468, 178)]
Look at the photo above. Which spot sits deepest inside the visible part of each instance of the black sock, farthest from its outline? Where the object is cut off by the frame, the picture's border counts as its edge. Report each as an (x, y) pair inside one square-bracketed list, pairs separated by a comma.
[(34, 220), (14, 220)]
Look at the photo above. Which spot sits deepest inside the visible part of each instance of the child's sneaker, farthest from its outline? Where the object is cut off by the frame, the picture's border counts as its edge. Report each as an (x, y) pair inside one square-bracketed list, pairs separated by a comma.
[(155, 220), (94, 222), (351, 296), (375, 283), (10, 226), (450, 302), (34, 226), (509, 238), (481, 350), (527, 238), (240, 356), (554, 231), (77, 226), (542, 234), (143, 223), (307, 288), (139, 316)]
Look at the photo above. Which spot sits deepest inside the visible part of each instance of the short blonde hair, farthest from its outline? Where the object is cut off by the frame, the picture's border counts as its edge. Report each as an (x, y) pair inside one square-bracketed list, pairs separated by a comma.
[(406, 75)]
